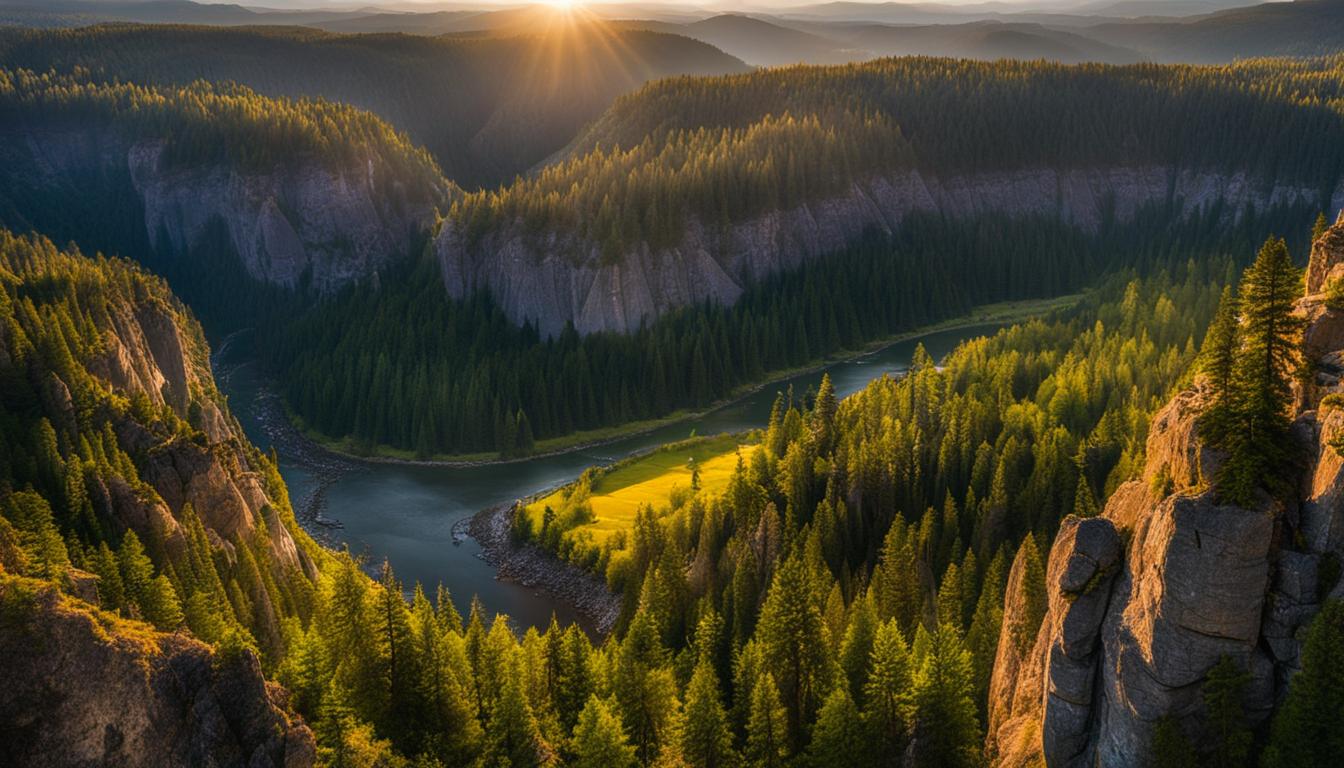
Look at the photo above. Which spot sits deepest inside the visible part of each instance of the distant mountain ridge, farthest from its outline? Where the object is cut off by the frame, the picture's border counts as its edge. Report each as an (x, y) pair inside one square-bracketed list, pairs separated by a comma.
[(487, 109), (1110, 31)]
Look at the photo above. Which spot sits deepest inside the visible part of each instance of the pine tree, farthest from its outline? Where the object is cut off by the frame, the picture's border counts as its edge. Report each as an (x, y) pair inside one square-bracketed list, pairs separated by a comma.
[(159, 604), (1084, 502), (1306, 729), (895, 581), (1217, 362), (111, 592), (705, 738), (395, 654), (136, 570), (1224, 689), (767, 728), (982, 640), (857, 646), (1319, 226), (39, 537), (1259, 441), (1031, 595), (823, 415), (887, 696), (950, 602), (945, 730), (796, 645), (599, 741), (512, 736), (839, 740), (1171, 747)]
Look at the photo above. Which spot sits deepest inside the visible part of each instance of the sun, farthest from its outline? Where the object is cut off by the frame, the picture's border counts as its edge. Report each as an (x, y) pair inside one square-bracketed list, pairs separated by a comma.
[(562, 5)]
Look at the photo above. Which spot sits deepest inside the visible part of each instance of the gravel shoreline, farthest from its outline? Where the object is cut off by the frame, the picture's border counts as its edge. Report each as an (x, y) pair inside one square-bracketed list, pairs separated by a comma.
[(532, 566)]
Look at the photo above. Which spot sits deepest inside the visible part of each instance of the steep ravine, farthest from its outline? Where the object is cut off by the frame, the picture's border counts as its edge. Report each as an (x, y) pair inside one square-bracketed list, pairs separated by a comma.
[(1144, 600), (553, 278)]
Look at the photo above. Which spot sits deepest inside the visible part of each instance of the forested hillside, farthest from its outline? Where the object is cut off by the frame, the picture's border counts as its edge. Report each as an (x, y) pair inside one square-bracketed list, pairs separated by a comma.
[(722, 148), (770, 192), (841, 597), (805, 622), (218, 188), (485, 108), (120, 463)]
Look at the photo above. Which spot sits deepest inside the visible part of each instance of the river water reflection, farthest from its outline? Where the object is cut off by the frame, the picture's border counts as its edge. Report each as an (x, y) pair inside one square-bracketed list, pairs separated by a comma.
[(406, 513)]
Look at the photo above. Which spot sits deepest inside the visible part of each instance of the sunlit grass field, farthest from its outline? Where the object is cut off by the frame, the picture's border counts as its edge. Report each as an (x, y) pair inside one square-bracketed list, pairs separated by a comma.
[(618, 493)]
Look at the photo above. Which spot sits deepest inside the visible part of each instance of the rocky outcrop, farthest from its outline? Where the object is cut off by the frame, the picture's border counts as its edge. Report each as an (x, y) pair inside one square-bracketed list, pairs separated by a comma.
[(1327, 258), (553, 279), (83, 688), (1041, 701), (152, 350), (309, 222), (1199, 582)]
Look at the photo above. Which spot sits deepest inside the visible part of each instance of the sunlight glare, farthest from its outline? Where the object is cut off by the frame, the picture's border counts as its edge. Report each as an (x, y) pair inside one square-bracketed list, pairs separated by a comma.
[(562, 5)]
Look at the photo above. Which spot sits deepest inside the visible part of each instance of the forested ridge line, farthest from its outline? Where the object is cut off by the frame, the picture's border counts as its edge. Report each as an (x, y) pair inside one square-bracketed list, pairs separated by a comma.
[(202, 123), (721, 148), (485, 107)]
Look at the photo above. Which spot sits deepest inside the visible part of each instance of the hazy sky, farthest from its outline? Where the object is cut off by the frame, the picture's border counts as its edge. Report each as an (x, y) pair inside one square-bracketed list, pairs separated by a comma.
[(425, 5)]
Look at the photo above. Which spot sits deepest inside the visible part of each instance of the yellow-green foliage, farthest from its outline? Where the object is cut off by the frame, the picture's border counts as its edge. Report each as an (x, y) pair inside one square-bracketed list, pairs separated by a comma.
[(723, 148), (603, 503)]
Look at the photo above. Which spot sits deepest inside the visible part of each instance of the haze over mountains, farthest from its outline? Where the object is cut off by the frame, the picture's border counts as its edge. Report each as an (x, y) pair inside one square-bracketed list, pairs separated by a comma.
[(1125, 31)]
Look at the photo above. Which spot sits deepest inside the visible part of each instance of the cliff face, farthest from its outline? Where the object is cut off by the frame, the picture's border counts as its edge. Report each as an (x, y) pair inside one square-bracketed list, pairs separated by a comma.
[(305, 222), (553, 279), (1121, 650), (135, 380), (84, 688), (153, 350)]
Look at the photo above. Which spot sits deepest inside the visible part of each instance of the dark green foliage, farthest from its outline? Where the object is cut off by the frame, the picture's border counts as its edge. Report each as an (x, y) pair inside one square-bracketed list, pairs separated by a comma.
[(887, 706), (767, 728), (201, 123), (705, 740), (1031, 594), (1171, 748), (794, 643), (1306, 730), (1224, 690), (1252, 422), (1218, 360), (945, 732)]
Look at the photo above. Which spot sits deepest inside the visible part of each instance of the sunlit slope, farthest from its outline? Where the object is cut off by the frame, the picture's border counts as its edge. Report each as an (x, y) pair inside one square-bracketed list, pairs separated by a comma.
[(717, 150), (610, 499), (485, 107)]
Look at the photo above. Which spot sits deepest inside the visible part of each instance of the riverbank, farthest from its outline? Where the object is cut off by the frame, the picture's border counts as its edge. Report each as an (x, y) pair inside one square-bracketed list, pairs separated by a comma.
[(533, 567), (1002, 313)]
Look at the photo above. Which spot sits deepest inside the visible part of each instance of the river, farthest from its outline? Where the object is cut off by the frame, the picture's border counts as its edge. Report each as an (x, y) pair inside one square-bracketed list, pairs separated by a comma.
[(406, 513)]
